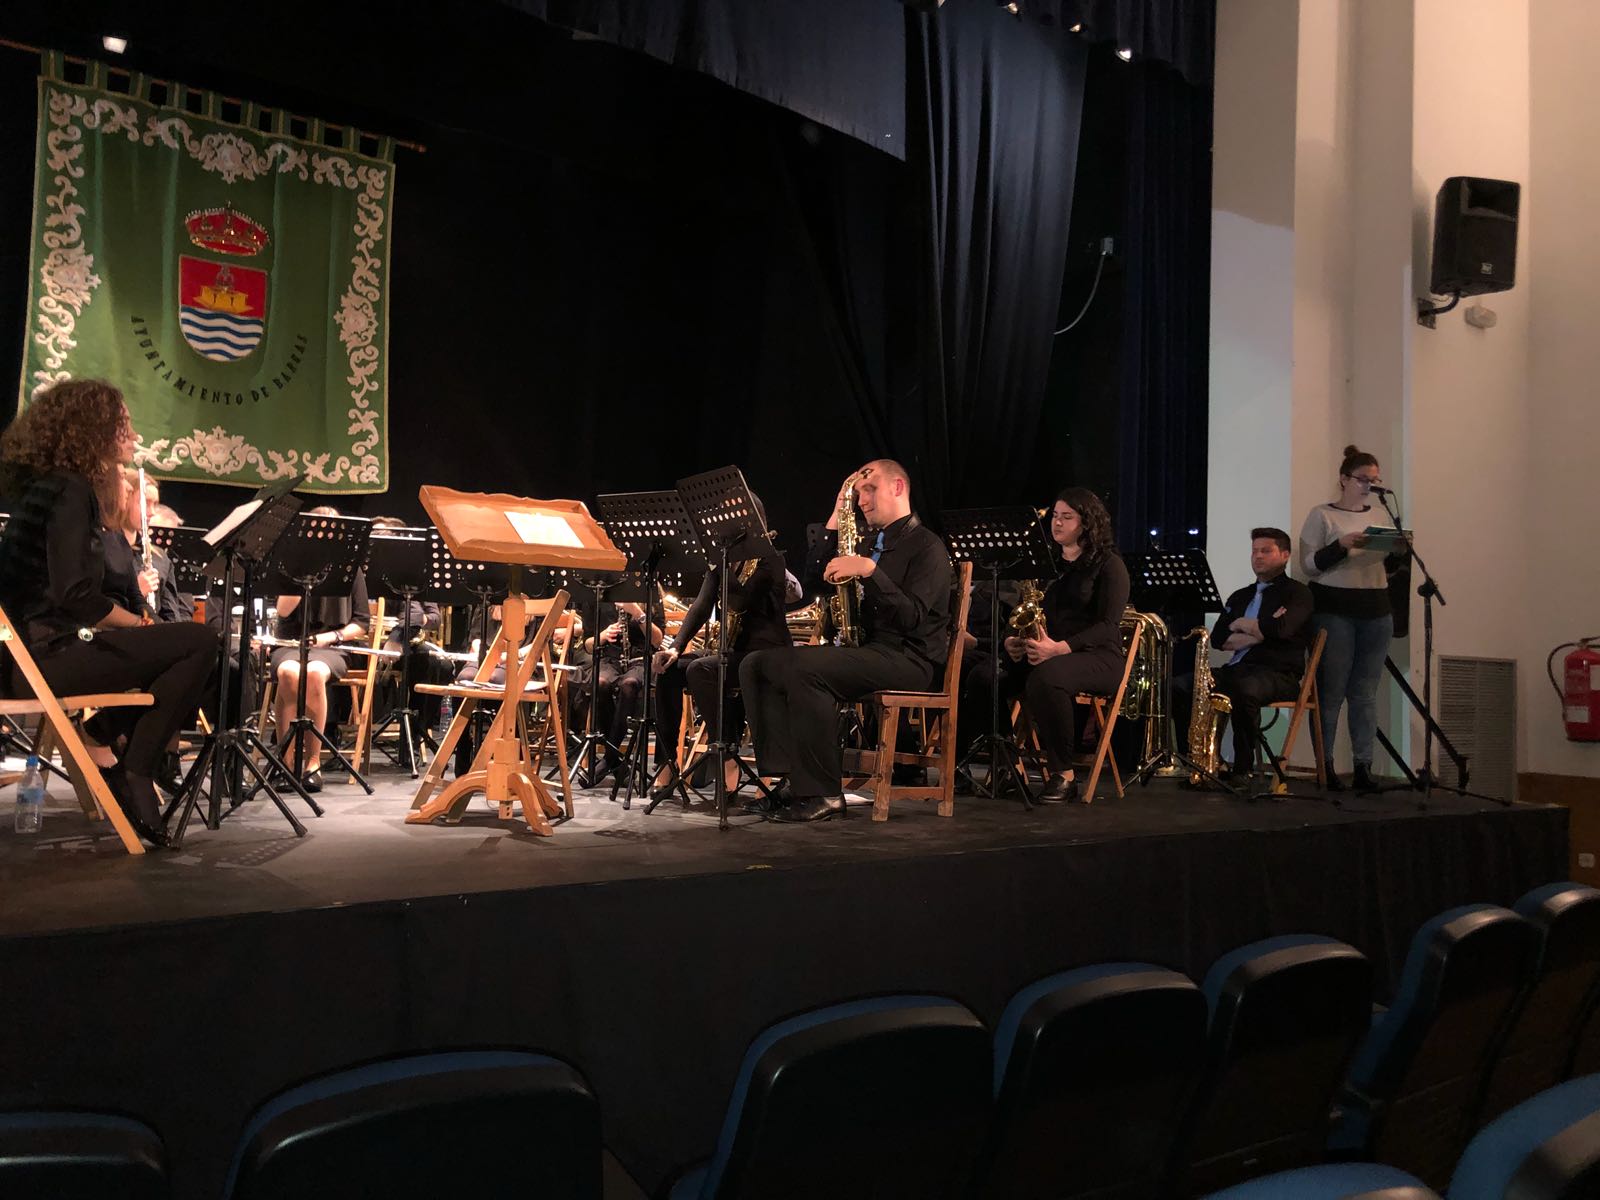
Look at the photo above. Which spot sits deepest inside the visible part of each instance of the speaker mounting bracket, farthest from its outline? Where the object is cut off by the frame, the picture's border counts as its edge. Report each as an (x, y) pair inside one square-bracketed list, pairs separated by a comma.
[(1427, 310)]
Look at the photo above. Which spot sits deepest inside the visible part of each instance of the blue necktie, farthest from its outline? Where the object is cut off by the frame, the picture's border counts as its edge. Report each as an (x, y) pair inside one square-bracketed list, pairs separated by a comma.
[(1253, 609), (877, 547)]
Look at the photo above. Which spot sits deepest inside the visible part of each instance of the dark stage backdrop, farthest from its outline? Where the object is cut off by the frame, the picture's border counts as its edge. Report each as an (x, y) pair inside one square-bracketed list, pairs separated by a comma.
[(609, 273)]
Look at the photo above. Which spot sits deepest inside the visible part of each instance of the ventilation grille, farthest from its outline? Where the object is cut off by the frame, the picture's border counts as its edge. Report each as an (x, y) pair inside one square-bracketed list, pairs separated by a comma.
[(1478, 713)]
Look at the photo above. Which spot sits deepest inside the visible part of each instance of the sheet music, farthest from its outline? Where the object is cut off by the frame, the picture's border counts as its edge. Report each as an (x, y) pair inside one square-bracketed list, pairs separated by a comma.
[(232, 521), (542, 529)]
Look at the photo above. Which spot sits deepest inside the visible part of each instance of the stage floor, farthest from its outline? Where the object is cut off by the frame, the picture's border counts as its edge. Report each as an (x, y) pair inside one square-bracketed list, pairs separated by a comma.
[(74, 874), (185, 988)]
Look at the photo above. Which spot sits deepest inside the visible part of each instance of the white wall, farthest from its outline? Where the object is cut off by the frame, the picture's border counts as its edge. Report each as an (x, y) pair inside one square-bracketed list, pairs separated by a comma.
[(1562, 271)]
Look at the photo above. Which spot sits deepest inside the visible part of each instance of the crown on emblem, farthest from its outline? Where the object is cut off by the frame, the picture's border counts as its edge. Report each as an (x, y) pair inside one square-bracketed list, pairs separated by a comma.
[(226, 231)]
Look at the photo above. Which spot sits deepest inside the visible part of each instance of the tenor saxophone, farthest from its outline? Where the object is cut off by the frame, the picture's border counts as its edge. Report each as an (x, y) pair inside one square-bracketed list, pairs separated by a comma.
[(844, 607), (729, 626), (1205, 716)]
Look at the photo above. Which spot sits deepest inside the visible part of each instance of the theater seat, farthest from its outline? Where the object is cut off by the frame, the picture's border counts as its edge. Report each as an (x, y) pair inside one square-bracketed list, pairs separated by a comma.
[(1546, 1148), (1533, 1053), (471, 1125), (79, 1156), (1333, 1181), (885, 1097), (1287, 1015), (1092, 1069), (1409, 1095)]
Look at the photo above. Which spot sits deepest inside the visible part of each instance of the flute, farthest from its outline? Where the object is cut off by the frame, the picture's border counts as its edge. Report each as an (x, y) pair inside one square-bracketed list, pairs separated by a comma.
[(144, 532)]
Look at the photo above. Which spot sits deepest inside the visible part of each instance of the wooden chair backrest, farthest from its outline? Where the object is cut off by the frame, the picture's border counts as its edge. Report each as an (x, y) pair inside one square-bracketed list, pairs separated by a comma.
[(960, 607)]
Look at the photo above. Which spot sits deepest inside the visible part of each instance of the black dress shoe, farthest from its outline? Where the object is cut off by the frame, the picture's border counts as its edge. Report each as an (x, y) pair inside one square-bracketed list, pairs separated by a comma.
[(1334, 784), (136, 796), (169, 775), (659, 790), (1361, 779), (1059, 791), (812, 808), (312, 781)]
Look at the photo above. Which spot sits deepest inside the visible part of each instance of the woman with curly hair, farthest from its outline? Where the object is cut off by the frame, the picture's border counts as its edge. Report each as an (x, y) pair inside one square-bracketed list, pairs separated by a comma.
[(1081, 650), (59, 465)]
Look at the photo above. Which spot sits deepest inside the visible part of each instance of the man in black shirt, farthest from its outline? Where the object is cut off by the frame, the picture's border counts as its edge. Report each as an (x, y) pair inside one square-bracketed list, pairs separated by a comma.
[(1267, 627), (793, 694)]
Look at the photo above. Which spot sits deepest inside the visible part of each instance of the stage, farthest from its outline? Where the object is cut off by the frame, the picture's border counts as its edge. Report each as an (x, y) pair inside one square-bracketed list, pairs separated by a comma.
[(186, 986)]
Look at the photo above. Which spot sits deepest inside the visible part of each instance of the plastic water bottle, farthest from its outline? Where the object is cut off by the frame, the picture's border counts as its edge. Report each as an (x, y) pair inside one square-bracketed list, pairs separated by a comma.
[(447, 710), (30, 798)]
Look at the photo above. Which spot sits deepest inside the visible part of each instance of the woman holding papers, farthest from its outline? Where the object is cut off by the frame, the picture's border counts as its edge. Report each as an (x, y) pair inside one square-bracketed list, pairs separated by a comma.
[(1350, 586), (59, 469)]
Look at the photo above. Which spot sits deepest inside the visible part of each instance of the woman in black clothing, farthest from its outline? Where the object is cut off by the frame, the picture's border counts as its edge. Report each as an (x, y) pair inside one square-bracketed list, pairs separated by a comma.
[(333, 620), (1082, 648), (59, 462), (756, 595)]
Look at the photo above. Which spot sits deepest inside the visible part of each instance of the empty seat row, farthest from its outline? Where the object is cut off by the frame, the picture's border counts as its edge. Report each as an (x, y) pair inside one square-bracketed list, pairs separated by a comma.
[(1121, 1080)]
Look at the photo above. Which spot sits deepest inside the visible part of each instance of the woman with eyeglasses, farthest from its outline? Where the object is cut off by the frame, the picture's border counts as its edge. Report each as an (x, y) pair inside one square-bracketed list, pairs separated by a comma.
[(1350, 587), (1081, 650)]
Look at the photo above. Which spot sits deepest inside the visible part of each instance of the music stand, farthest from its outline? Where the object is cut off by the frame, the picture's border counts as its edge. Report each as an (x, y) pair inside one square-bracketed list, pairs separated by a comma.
[(244, 539), (190, 554), (399, 562), (653, 529), (598, 584), (1007, 543), (1163, 581), (727, 522), (518, 533), (317, 556)]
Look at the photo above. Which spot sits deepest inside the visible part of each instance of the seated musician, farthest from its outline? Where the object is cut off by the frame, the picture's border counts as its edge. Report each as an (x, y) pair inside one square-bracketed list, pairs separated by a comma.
[(1267, 627), (756, 596), (793, 693), (59, 460), (125, 567), (333, 619), (170, 599), (1081, 648), (614, 685)]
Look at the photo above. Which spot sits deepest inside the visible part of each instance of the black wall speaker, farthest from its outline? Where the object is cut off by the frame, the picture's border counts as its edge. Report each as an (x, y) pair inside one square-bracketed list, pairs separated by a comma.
[(1475, 236)]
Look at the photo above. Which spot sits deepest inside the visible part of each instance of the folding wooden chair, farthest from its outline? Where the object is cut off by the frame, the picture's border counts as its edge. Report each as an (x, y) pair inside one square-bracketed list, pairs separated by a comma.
[(1307, 703), (938, 748), (362, 683), (90, 785), (1106, 710)]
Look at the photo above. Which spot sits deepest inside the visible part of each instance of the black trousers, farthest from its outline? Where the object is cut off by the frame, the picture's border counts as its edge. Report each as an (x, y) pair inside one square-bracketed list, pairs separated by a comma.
[(698, 674), (1050, 691), (977, 699), (1250, 689), (170, 661), (793, 693)]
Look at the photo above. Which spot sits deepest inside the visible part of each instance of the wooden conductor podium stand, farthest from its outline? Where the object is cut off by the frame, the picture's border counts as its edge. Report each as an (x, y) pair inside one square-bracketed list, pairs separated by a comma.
[(519, 533)]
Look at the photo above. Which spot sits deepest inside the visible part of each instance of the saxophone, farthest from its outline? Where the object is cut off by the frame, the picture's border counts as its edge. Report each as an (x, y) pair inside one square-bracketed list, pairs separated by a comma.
[(844, 607), (1027, 618), (1209, 707), (729, 627)]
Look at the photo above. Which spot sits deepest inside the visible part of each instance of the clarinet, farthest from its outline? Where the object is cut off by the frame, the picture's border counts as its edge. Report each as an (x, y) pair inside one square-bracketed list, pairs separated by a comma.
[(622, 637)]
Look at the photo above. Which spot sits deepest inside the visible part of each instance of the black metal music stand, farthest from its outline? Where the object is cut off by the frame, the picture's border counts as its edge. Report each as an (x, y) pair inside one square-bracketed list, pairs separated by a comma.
[(319, 557), (728, 523), (398, 563), (1161, 581), (243, 541), (582, 754), (654, 531), (1007, 543), (190, 554)]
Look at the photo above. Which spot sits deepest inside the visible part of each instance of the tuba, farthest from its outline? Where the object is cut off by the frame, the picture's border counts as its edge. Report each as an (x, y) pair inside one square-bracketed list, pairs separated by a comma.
[(843, 612), (1209, 708)]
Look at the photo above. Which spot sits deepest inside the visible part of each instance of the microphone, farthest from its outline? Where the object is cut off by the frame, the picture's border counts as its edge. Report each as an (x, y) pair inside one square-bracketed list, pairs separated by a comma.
[(1381, 491)]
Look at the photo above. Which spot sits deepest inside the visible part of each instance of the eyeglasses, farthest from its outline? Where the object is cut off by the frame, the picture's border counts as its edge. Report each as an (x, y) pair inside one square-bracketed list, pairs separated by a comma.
[(1367, 478)]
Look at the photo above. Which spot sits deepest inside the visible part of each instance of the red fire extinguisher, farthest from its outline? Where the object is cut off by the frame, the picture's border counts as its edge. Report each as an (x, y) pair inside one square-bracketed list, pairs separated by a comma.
[(1579, 688)]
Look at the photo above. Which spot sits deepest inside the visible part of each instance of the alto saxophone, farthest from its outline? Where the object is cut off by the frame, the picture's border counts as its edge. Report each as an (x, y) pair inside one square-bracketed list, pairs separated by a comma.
[(729, 627), (1027, 618), (1206, 714), (844, 608)]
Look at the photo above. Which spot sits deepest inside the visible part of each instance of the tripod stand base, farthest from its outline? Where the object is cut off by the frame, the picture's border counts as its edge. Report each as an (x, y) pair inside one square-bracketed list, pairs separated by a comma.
[(511, 789), (1007, 769)]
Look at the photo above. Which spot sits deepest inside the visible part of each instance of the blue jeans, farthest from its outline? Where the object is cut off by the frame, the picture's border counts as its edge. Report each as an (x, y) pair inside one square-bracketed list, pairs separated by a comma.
[(1352, 664)]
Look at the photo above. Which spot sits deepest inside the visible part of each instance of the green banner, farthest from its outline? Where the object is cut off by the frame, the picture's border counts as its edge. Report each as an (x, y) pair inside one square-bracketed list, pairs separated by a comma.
[(232, 283)]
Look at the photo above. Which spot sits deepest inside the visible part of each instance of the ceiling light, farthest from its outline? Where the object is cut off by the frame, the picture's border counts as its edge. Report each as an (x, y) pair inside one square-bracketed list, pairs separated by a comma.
[(1078, 28), (114, 44), (1014, 7), (1125, 55)]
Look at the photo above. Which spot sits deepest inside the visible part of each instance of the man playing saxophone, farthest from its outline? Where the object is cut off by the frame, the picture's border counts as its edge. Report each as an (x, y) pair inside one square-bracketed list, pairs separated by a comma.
[(1266, 629), (793, 693)]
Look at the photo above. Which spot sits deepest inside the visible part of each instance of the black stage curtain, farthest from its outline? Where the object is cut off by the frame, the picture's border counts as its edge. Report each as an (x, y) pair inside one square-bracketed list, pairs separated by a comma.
[(994, 141), (1165, 311), (840, 63)]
